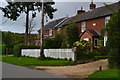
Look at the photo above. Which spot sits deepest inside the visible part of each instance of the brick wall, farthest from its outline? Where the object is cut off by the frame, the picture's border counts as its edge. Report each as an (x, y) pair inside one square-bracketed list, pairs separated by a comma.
[(100, 23)]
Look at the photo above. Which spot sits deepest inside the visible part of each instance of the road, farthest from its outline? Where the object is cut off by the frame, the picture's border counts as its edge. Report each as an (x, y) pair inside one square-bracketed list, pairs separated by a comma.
[(13, 71)]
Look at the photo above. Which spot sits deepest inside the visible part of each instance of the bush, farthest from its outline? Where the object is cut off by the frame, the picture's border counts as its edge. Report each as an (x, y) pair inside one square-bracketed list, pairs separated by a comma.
[(9, 49), (82, 47), (53, 43), (17, 49), (102, 50), (6, 48), (3, 49), (64, 44), (48, 43), (72, 35), (86, 56)]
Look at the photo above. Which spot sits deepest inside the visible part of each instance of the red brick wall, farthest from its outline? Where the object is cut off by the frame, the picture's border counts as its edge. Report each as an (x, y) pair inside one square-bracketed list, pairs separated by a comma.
[(86, 35), (100, 24), (46, 32), (64, 30), (79, 27)]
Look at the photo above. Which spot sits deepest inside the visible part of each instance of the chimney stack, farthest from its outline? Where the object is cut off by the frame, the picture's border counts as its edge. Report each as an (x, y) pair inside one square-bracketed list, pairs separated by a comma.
[(92, 5), (81, 11)]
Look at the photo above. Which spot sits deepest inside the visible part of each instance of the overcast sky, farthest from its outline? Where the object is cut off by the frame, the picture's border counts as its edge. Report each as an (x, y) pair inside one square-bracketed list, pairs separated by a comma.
[(64, 9)]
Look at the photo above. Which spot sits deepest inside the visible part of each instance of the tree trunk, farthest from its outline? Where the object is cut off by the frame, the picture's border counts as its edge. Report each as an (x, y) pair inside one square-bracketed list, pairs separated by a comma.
[(42, 25), (27, 25)]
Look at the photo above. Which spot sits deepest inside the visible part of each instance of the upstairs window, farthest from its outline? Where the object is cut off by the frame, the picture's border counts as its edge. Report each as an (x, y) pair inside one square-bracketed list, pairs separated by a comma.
[(50, 32), (83, 26), (107, 19)]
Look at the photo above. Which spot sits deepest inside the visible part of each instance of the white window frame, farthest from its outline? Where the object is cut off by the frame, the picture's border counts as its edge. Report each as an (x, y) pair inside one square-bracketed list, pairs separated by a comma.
[(50, 32), (105, 40), (107, 19), (83, 26)]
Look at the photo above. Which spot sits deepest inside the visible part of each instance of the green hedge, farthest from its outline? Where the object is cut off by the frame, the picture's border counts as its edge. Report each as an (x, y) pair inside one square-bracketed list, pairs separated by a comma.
[(9, 49), (3, 49), (17, 49)]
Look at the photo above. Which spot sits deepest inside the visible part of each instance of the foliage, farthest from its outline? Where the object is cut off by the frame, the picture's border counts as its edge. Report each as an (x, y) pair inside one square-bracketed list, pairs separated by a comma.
[(101, 57), (6, 48), (83, 49), (113, 42), (100, 43), (48, 43), (14, 9), (12, 38), (72, 34), (102, 50), (17, 49), (82, 46), (111, 74), (27, 61), (58, 40), (3, 48), (53, 43), (64, 43)]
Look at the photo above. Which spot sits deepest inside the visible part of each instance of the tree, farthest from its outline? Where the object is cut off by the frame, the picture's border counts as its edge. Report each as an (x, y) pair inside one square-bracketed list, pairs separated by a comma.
[(72, 34), (14, 9), (12, 38), (113, 42)]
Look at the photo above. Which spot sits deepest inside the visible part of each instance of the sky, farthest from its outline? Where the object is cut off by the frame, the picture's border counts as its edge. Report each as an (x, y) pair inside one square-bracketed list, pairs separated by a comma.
[(64, 8)]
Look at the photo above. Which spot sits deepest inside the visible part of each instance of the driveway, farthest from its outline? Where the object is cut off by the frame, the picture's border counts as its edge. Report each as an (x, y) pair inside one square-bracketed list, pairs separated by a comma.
[(76, 71), (13, 71)]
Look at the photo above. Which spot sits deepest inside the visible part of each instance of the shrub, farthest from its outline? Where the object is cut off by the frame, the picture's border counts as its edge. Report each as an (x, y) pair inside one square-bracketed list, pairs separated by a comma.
[(86, 56), (9, 49), (53, 43), (64, 44), (72, 35), (83, 49), (4, 49), (102, 50), (17, 49), (48, 43)]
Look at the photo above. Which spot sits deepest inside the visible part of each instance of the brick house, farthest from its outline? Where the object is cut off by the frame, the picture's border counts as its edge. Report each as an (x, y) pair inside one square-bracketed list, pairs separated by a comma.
[(52, 28), (89, 23)]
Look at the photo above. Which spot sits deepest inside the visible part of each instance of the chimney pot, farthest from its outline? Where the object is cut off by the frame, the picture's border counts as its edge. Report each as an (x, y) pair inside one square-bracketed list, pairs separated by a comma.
[(92, 5), (81, 11)]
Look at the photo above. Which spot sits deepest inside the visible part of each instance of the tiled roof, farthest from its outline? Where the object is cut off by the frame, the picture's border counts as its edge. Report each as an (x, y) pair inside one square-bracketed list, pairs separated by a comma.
[(91, 32), (54, 23), (95, 13)]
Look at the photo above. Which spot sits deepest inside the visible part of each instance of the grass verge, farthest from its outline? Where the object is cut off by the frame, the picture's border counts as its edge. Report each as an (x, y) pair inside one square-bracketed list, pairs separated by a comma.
[(27, 61), (110, 73)]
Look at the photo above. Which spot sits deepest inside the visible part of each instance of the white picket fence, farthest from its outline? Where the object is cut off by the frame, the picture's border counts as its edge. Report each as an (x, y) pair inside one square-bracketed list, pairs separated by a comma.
[(53, 53)]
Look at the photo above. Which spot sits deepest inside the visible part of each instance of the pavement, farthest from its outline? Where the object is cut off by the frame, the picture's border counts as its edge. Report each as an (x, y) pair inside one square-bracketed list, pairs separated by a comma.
[(13, 71)]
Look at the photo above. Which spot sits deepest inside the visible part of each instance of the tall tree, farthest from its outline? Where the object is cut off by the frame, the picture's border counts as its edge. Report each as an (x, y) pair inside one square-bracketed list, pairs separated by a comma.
[(14, 9), (72, 34), (113, 42)]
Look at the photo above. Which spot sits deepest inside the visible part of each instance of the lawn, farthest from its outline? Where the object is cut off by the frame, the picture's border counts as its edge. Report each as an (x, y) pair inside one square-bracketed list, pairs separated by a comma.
[(27, 61), (110, 73)]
